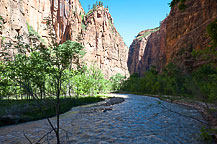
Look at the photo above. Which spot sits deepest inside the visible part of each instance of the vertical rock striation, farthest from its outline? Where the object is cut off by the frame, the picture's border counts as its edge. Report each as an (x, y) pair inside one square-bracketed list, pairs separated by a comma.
[(65, 16), (103, 44), (138, 49)]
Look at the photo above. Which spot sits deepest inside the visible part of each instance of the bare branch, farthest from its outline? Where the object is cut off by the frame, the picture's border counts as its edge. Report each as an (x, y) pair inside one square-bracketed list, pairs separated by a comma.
[(184, 115), (54, 129), (28, 139), (38, 142), (66, 131)]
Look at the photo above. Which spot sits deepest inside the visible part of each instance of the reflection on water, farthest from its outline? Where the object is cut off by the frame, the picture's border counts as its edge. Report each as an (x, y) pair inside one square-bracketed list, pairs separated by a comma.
[(138, 119)]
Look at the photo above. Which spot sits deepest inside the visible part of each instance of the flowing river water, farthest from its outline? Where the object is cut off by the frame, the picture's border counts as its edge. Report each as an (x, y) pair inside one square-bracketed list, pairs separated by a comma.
[(137, 120)]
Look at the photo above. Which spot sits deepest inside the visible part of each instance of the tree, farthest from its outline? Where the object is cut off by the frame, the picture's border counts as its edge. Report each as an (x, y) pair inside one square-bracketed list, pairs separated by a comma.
[(94, 6), (61, 59), (116, 81), (205, 79), (88, 7), (41, 66)]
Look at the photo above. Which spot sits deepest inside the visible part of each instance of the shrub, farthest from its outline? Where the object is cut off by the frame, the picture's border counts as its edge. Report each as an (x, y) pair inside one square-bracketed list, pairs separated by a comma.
[(181, 5)]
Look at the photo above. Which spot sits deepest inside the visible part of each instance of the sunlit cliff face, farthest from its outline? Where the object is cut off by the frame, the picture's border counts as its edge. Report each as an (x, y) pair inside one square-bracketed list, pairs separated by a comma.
[(104, 46)]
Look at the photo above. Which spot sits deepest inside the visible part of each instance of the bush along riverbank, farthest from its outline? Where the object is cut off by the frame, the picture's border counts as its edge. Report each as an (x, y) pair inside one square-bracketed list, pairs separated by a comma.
[(18, 111)]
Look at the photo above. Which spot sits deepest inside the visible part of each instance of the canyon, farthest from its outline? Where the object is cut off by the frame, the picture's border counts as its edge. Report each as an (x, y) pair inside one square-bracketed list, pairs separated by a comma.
[(180, 33), (104, 47)]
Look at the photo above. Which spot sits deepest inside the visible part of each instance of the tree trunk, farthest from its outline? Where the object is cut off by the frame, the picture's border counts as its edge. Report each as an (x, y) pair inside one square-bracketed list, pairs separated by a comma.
[(41, 93), (69, 91), (58, 107)]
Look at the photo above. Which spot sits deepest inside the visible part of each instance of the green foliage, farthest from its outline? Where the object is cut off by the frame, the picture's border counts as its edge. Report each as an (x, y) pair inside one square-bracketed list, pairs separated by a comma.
[(201, 84), (116, 81), (209, 54), (173, 3), (43, 71), (83, 26), (100, 3), (90, 12), (206, 75), (1, 19), (88, 81), (1, 24), (182, 6), (112, 26), (65, 54), (39, 71), (181, 3), (94, 7), (212, 31), (148, 33), (206, 134), (205, 78), (33, 33), (5, 82)]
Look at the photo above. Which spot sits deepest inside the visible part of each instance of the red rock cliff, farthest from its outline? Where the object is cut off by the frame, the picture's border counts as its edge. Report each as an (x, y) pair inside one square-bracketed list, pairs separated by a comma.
[(103, 43), (137, 50), (104, 46), (180, 33)]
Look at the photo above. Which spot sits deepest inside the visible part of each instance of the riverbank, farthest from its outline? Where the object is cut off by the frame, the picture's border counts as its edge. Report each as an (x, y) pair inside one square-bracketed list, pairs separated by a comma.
[(208, 111), (19, 111)]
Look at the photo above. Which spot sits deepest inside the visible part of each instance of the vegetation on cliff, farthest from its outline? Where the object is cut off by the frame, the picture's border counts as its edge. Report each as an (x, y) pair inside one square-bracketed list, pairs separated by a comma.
[(181, 4), (212, 31), (147, 33), (34, 34), (209, 54), (1, 22), (94, 7)]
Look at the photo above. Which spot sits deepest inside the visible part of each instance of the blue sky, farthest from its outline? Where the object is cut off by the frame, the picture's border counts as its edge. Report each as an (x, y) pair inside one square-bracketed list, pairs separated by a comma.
[(132, 16)]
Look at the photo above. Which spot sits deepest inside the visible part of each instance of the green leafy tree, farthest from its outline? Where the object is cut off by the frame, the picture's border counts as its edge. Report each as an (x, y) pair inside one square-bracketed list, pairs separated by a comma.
[(116, 81), (32, 68), (205, 79)]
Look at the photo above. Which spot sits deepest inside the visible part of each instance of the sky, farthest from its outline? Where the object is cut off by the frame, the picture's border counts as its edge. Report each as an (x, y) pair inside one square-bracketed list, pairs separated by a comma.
[(132, 16)]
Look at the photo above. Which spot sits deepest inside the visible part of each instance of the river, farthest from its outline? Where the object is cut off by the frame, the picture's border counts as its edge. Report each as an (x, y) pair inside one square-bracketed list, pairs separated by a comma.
[(139, 120)]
